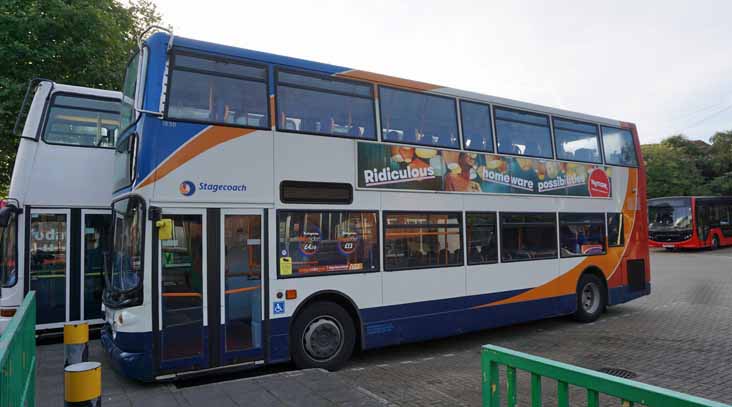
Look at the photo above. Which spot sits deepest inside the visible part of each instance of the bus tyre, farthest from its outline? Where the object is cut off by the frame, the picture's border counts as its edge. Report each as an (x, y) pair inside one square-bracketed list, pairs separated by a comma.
[(323, 336), (591, 298), (715, 242)]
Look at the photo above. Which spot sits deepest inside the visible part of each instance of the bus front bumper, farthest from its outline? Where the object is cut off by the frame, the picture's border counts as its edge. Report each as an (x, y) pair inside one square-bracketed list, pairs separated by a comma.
[(135, 365)]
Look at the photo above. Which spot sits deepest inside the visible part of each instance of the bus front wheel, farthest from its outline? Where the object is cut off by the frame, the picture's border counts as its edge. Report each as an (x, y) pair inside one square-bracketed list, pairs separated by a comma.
[(323, 336), (591, 298), (715, 242)]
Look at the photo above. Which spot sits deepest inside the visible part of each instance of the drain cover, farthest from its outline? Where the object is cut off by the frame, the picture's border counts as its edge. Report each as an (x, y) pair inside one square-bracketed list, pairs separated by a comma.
[(625, 374)]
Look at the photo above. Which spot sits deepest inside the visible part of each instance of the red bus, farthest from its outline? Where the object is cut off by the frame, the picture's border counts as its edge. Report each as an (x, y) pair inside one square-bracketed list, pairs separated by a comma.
[(690, 222)]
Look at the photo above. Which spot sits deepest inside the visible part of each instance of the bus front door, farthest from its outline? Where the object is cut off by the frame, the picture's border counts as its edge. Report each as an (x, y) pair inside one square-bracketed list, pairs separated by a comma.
[(49, 269), (210, 290)]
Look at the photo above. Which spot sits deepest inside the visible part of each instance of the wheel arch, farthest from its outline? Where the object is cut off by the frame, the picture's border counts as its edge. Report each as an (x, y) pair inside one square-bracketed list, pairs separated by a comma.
[(596, 271), (339, 298)]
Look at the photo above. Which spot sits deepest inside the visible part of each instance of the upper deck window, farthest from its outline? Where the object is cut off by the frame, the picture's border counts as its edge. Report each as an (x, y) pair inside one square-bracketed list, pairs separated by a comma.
[(523, 133), (127, 110), (82, 121), (577, 141), (418, 118), (619, 147), (325, 105), (218, 91), (477, 130)]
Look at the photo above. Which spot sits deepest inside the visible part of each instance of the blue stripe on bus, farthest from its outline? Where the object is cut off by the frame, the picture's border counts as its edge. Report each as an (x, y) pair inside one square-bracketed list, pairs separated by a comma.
[(383, 326), (154, 152)]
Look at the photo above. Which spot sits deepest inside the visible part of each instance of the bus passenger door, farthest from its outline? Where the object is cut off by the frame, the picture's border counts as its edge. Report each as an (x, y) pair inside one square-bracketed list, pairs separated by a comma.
[(49, 265), (95, 230), (240, 287), (182, 318)]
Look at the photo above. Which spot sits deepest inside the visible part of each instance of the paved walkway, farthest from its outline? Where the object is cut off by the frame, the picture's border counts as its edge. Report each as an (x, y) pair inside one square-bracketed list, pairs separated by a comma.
[(312, 387)]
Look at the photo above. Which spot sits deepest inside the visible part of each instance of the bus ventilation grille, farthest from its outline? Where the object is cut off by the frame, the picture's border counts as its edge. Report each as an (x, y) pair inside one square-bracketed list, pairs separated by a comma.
[(622, 373)]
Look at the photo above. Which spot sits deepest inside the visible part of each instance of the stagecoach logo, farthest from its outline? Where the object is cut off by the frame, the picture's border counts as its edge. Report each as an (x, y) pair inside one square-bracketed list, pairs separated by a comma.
[(187, 188)]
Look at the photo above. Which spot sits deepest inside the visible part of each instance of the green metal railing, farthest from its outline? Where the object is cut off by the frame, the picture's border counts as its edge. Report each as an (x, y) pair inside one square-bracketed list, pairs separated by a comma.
[(594, 383), (18, 357)]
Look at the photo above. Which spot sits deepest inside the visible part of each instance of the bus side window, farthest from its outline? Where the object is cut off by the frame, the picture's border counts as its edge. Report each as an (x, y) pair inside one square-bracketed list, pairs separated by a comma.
[(615, 235), (204, 89), (325, 105), (523, 133), (421, 240), (619, 147), (528, 236), (481, 232), (418, 118)]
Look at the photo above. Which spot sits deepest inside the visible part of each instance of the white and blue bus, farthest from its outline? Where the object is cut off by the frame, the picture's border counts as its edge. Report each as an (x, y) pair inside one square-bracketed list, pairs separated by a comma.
[(55, 222), (269, 209)]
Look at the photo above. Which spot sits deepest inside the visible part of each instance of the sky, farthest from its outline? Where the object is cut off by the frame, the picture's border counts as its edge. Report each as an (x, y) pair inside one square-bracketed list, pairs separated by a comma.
[(664, 65)]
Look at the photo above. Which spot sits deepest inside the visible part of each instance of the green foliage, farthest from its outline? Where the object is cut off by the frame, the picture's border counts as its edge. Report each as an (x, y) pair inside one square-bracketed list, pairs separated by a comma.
[(80, 42), (679, 166)]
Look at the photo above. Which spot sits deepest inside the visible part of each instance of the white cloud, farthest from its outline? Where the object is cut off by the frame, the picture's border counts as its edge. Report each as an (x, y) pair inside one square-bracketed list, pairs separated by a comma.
[(665, 65)]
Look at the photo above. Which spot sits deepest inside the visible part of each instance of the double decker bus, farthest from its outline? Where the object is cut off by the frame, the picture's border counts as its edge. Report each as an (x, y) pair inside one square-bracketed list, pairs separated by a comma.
[(690, 222), (268, 209), (55, 222)]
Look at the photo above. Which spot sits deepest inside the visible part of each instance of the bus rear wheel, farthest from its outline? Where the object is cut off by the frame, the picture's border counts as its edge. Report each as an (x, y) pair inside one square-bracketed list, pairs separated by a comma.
[(323, 336), (715, 242), (591, 298)]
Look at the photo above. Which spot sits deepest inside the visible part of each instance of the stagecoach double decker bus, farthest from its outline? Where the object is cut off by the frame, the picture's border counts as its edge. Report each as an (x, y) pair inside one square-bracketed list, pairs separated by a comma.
[(268, 209), (55, 221), (690, 222)]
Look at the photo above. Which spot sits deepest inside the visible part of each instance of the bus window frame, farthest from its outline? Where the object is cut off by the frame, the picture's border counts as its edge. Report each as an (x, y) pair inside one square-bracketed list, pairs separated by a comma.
[(621, 232), (463, 147), (50, 104), (229, 60), (459, 215), (635, 146), (555, 234), (329, 273), (278, 69), (604, 233), (134, 296), (534, 112), (140, 81), (15, 215), (467, 238), (458, 126), (598, 135)]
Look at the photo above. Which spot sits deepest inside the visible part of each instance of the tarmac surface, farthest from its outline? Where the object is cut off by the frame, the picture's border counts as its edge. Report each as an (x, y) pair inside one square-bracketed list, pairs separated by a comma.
[(679, 337)]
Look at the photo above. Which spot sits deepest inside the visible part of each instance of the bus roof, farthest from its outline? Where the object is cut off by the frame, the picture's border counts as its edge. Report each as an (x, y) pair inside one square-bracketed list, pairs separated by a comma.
[(268, 58), (80, 90)]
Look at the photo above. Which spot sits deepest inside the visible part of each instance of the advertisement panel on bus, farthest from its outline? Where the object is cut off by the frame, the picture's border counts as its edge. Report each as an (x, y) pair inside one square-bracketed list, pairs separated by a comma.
[(416, 168)]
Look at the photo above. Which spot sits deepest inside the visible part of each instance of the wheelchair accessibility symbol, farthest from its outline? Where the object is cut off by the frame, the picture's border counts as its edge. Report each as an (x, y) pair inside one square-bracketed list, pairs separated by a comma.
[(278, 307)]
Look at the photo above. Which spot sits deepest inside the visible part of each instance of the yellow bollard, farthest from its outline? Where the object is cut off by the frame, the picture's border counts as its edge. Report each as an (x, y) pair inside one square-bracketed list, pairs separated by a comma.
[(76, 343), (83, 385)]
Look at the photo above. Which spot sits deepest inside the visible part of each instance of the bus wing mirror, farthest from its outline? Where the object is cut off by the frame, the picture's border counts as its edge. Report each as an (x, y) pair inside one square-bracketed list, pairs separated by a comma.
[(165, 229)]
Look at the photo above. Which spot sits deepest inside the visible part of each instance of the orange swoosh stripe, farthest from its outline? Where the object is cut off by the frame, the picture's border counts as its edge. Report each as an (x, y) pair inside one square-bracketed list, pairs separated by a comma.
[(566, 284), (387, 80), (205, 140)]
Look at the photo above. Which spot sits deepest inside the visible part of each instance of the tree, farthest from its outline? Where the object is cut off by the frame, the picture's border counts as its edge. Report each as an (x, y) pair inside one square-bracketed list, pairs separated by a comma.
[(81, 42), (670, 172), (721, 152)]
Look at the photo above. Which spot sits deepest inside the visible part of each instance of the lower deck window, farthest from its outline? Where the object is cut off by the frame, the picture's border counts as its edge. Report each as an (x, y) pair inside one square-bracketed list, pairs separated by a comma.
[(318, 242), (615, 230), (422, 240), (581, 234), (528, 236), (482, 238)]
